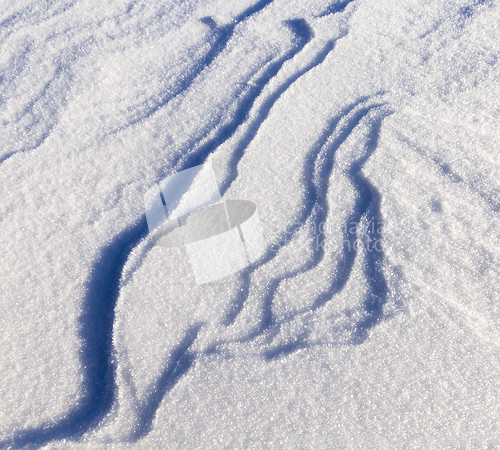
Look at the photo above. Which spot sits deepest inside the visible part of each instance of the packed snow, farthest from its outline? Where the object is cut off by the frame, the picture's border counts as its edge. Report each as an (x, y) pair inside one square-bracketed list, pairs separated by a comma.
[(366, 134)]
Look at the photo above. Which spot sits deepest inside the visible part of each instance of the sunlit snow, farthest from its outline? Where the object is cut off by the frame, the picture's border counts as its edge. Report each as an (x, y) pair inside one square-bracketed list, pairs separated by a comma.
[(366, 133)]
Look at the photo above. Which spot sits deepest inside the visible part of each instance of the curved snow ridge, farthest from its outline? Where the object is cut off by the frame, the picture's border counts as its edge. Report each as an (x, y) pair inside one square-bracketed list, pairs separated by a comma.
[(303, 34), (365, 218), (309, 187), (145, 408), (179, 362), (253, 110), (257, 100), (315, 206), (221, 35), (33, 122), (96, 328), (369, 207), (263, 111)]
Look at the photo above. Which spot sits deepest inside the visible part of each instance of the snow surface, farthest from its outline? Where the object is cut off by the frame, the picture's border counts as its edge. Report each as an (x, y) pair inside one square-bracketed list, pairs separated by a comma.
[(367, 134)]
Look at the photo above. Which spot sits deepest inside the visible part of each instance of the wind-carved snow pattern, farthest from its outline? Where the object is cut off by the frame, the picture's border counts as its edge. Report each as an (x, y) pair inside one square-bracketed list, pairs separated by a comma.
[(365, 219), (97, 318), (325, 278), (366, 213)]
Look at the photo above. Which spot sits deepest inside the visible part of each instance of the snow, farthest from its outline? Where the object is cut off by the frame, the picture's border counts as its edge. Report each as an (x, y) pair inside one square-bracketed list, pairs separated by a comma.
[(367, 136)]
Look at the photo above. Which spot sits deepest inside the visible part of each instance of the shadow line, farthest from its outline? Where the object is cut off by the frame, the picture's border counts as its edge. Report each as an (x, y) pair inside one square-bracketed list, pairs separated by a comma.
[(312, 195), (96, 329), (180, 362), (366, 206), (303, 34)]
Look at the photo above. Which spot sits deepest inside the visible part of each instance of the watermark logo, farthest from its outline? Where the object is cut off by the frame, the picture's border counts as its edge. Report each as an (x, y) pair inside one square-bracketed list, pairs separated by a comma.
[(220, 237), (355, 235)]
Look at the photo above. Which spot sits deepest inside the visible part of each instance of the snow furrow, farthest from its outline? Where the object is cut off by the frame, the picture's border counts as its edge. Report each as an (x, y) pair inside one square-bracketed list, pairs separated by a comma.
[(179, 362), (41, 113), (303, 34), (96, 329), (312, 198), (221, 37), (369, 206), (366, 216), (263, 112), (316, 212)]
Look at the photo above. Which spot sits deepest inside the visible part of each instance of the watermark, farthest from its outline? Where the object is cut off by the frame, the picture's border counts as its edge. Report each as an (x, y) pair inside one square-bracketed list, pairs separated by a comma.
[(220, 237), (355, 235)]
